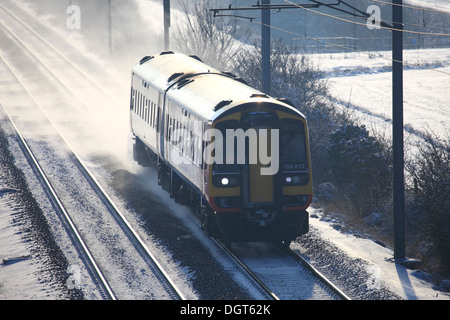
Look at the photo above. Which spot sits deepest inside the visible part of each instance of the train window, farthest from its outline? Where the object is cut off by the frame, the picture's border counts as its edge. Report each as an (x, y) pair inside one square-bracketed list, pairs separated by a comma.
[(135, 102), (183, 136), (292, 143), (152, 111), (138, 103), (170, 130), (294, 162), (157, 120), (226, 174), (167, 128), (191, 143), (142, 106), (132, 99), (227, 164), (259, 120)]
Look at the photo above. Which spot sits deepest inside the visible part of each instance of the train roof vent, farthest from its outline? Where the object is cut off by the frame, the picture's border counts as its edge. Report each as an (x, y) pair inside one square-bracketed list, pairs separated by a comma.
[(184, 82), (231, 75), (222, 104), (174, 76), (259, 95), (166, 52), (145, 59), (195, 57), (286, 101)]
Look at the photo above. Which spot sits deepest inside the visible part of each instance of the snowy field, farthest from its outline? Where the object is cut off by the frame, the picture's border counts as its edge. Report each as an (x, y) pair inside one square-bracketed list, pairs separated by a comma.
[(406, 283), (363, 83), (442, 5)]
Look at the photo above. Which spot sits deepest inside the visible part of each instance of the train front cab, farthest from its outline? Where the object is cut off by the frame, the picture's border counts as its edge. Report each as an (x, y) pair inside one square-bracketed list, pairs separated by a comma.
[(249, 205)]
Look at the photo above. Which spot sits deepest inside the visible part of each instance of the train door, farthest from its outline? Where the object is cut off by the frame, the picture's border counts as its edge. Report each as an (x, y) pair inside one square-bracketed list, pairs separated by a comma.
[(160, 123), (261, 187), (261, 166)]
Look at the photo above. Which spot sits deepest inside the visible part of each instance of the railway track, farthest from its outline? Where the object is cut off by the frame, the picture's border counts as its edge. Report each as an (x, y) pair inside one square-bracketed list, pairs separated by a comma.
[(57, 171), (282, 277), (282, 273), (55, 62)]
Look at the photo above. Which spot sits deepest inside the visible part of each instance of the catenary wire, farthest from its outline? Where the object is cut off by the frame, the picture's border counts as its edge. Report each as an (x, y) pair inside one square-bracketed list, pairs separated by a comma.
[(364, 24), (340, 46)]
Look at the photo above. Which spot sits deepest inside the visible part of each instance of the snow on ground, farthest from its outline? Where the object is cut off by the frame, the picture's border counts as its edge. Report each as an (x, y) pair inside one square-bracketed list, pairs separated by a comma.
[(441, 5), (364, 82), (406, 283)]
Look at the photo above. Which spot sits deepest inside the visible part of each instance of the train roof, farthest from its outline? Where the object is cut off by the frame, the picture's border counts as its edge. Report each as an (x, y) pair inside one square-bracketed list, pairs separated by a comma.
[(198, 87)]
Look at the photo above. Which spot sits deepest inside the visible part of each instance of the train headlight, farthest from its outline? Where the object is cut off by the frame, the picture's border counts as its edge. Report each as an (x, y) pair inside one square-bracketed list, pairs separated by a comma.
[(295, 178), (226, 180)]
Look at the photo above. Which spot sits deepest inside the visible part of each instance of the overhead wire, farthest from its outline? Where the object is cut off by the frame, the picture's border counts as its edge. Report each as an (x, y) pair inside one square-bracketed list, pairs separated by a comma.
[(387, 21), (365, 24), (340, 46)]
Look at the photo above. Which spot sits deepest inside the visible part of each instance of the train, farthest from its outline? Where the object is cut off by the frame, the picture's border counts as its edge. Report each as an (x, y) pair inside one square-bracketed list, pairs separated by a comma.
[(237, 156)]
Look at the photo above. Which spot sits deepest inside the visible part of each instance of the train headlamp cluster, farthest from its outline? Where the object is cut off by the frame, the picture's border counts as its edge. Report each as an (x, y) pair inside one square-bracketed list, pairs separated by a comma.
[(226, 180), (296, 179)]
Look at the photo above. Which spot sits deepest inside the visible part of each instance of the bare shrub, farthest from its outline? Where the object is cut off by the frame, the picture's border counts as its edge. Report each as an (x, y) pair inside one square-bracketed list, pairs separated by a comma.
[(430, 172), (211, 39), (361, 168)]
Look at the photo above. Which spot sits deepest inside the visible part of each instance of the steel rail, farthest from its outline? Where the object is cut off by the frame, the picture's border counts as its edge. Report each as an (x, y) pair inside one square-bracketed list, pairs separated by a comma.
[(86, 75), (101, 192), (298, 257), (109, 202), (252, 275), (59, 205)]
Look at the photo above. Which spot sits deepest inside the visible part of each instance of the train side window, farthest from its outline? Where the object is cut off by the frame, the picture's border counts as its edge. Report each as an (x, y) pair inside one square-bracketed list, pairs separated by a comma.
[(167, 127), (151, 113), (143, 106), (157, 119), (145, 110), (132, 99), (229, 172), (140, 105), (136, 109), (191, 143), (154, 114), (232, 165)]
